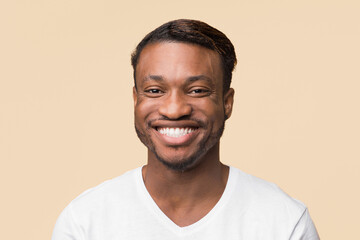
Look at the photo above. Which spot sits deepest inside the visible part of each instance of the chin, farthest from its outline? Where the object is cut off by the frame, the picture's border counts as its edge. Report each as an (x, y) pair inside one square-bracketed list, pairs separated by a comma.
[(181, 163), (178, 165)]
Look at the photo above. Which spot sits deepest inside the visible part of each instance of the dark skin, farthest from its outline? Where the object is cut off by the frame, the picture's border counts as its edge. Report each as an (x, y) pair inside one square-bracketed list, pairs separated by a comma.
[(180, 86)]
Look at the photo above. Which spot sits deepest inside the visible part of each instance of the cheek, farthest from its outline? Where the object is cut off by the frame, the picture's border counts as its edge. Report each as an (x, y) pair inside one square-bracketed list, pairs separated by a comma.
[(143, 109), (210, 108)]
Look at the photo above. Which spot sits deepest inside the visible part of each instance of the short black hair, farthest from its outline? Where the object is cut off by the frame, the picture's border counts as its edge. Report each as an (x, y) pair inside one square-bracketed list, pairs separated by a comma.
[(193, 32)]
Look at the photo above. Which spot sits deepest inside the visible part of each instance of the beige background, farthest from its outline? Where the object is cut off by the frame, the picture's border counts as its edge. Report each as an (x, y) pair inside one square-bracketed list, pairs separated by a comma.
[(66, 111)]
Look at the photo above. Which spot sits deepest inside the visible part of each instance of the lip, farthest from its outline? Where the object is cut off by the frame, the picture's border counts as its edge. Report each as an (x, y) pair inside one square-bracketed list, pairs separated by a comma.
[(176, 141), (174, 124)]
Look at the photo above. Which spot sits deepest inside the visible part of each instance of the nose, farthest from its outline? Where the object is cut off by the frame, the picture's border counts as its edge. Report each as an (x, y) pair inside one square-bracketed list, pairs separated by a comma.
[(175, 106)]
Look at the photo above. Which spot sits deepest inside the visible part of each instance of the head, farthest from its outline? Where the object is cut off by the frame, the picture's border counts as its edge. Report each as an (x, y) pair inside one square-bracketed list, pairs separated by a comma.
[(182, 94), (192, 32)]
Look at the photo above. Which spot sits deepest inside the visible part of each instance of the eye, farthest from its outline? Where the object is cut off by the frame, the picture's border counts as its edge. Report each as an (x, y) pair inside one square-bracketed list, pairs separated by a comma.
[(199, 92), (153, 92)]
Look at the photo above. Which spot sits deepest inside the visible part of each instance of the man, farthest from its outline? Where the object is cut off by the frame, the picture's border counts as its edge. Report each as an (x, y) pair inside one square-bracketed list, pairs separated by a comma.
[(182, 98)]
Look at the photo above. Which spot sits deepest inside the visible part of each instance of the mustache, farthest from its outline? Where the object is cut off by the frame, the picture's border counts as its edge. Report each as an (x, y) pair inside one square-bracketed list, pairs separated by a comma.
[(200, 122)]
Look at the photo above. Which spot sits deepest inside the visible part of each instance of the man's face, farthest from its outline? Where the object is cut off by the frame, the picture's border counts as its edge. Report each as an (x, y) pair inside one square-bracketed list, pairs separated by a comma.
[(180, 107)]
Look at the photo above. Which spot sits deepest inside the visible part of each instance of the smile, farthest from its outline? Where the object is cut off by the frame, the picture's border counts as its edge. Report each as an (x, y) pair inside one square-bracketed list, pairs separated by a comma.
[(175, 132)]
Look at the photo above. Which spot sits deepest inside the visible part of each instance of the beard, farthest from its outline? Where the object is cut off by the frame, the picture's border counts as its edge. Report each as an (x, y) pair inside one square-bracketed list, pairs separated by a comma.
[(186, 163)]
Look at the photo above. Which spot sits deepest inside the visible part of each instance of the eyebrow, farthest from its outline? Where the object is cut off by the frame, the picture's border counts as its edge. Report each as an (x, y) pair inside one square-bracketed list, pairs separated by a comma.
[(200, 77), (160, 78)]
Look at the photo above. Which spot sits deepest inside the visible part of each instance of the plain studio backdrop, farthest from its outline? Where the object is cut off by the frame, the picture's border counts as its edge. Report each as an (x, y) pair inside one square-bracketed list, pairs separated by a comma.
[(66, 109)]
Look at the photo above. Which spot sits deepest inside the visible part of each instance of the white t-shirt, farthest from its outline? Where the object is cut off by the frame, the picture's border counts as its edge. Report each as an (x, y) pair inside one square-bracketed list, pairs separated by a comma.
[(250, 208)]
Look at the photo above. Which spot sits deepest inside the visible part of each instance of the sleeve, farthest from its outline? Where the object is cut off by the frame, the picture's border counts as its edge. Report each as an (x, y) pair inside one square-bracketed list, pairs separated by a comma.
[(66, 228), (305, 229)]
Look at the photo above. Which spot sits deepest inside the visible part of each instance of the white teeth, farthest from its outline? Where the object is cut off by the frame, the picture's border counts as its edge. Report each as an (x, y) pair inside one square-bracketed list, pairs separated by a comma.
[(175, 132)]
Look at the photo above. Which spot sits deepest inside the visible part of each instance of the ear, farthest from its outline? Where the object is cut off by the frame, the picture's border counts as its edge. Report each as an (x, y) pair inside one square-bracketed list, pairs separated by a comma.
[(228, 102), (135, 96)]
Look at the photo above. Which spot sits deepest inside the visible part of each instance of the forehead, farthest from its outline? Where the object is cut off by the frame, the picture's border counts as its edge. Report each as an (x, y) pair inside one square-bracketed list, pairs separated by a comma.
[(176, 61)]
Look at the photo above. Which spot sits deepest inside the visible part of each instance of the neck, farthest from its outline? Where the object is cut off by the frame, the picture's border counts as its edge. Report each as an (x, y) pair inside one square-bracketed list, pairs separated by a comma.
[(172, 190)]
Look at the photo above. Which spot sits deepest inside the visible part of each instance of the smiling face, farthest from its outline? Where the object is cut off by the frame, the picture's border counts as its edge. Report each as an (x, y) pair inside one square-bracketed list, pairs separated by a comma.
[(180, 107)]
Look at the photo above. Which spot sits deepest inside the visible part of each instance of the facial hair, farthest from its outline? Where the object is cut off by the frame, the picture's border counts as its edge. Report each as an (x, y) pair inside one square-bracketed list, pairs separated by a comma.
[(184, 164)]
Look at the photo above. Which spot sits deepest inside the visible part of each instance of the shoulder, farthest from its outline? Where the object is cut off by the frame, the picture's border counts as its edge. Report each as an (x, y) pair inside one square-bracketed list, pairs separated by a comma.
[(104, 194), (263, 197), (262, 209), (95, 207)]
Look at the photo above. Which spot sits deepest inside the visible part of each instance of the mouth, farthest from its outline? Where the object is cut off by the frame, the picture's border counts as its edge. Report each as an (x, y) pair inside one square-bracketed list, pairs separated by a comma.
[(176, 132), (176, 135)]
